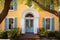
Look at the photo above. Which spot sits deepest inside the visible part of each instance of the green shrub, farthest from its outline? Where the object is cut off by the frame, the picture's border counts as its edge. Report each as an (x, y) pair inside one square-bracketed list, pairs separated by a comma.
[(3, 35), (48, 34), (42, 32), (51, 34), (13, 33), (57, 34)]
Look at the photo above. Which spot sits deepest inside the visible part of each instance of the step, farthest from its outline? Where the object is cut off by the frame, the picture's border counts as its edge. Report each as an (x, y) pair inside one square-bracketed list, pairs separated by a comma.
[(29, 37)]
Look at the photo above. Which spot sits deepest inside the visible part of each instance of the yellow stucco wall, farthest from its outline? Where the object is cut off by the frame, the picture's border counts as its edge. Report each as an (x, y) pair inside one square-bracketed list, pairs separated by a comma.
[(41, 12)]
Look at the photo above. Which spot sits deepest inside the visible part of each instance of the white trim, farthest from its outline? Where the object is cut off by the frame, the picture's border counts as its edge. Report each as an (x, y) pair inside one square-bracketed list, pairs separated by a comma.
[(26, 11), (11, 17), (35, 14), (48, 17)]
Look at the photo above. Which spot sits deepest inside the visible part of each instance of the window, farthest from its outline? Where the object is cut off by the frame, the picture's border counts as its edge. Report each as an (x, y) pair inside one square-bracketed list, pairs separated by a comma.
[(52, 5), (48, 23), (10, 23), (29, 15), (13, 5), (29, 22)]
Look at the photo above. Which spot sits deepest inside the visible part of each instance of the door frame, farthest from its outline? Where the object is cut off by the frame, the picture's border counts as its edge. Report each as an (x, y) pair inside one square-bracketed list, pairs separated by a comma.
[(35, 24)]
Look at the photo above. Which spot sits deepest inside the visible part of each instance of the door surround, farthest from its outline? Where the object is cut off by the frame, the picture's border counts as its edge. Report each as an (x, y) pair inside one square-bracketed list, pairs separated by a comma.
[(35, 24)]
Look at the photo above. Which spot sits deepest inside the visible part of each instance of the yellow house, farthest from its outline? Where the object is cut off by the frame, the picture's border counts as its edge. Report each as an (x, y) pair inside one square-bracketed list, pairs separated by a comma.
[(29, 19)]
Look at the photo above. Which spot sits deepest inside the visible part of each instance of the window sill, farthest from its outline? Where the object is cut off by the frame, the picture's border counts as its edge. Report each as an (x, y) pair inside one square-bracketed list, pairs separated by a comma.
[(11, 10)]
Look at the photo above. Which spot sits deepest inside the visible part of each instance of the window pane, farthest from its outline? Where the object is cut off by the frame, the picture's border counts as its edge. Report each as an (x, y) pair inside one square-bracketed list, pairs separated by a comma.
[(10, 23), (47, 23), (27, 23), (31, 22), (29, 15)]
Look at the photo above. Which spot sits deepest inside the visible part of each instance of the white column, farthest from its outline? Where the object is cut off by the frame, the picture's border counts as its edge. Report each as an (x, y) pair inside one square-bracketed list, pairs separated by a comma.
[(22, 26), (35, 25)]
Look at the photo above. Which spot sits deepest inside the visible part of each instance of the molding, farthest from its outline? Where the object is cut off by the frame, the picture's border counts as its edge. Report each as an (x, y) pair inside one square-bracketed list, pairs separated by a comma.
[(35, 18), (10, 17), (26, 11), (48, 17), (11, 10)]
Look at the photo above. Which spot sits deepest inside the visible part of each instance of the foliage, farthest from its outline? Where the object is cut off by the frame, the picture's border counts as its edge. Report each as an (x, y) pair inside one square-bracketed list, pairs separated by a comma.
[(42, 32), (13, 2), (49, 34), (13, 33), (57, 34), (10, 33), (1, 4), (3, 35), (29, 3)]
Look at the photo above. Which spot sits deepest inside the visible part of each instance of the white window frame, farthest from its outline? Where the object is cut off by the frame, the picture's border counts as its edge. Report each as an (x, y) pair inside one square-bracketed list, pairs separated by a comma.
[(8, 22), (50, 22)]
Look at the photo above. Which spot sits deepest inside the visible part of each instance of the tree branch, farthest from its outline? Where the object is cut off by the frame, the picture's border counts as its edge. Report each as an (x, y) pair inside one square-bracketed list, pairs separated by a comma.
[(5, 10), (47, 9)]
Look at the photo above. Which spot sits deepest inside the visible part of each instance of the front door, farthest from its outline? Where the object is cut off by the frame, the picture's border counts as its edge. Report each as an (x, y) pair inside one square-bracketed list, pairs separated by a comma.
[(29, 25)]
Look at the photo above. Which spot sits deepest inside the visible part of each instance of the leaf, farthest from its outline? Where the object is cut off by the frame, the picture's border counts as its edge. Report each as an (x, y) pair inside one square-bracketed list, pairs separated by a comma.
[(29, 3)]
